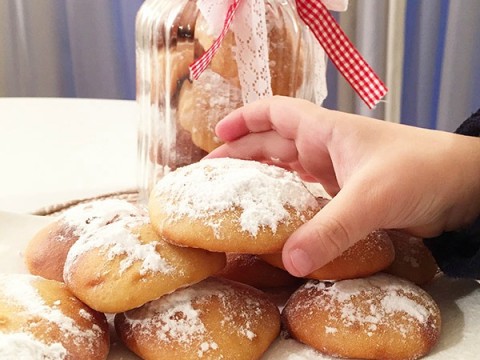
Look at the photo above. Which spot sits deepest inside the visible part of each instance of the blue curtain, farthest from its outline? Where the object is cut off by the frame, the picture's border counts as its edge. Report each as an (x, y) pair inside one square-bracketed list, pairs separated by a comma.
[(441, 82), (101, 42), (425, 31), (69, 48)]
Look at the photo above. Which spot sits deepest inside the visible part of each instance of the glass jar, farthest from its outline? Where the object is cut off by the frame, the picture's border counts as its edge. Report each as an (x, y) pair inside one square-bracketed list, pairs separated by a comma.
[(178, 115)]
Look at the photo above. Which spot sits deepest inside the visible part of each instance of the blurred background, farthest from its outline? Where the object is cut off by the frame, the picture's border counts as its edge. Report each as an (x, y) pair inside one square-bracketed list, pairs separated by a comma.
[(427, 52)]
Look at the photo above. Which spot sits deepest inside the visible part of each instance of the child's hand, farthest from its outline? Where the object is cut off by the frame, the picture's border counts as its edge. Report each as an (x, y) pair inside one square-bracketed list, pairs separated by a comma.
[(382, 175)]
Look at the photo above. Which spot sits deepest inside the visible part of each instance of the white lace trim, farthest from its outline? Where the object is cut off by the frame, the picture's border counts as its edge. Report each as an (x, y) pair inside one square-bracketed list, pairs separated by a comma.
[(251, 52)]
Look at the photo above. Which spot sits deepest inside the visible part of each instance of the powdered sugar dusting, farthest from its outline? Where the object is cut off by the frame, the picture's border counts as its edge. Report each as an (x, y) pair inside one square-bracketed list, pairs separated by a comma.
[(175, 318), (85, 314), (118, 240), (20, 291), (25, 346), (382, 296), (89, 217), (330, 330), (261, 192), (318, 285), (205, 346), (397, 302)]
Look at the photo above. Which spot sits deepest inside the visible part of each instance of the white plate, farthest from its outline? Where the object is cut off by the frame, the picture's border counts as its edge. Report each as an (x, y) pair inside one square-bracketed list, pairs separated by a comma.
[(459, 302)]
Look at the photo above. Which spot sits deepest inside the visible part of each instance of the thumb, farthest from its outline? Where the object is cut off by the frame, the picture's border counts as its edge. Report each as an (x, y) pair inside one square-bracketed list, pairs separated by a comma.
[(336, 227)]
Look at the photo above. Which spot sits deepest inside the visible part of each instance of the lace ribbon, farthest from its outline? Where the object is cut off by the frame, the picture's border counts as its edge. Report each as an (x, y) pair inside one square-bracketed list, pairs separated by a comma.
[(336, 44)]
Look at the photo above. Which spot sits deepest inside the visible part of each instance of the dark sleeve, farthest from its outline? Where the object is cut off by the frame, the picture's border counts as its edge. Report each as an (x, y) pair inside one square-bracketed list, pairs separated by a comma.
[(458, 252)]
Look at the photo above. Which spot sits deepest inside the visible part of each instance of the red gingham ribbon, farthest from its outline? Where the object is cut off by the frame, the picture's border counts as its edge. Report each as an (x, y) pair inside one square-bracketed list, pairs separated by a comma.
[(333, 40), (202, 63), (341, 51)]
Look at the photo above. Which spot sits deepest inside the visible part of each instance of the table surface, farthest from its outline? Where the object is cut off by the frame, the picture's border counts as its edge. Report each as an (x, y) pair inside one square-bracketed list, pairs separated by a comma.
[(54, 150)]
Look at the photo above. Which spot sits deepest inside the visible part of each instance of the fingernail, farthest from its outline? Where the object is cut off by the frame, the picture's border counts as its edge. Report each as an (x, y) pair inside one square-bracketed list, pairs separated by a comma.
[(301, 262)]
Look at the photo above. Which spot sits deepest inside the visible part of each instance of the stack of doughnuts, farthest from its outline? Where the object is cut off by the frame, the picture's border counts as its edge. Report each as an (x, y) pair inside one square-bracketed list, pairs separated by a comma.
[(210, 205), (192, 276)]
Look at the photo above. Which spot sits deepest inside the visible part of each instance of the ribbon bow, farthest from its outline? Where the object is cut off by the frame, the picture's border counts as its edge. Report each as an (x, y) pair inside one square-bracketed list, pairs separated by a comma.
[(331, 37)]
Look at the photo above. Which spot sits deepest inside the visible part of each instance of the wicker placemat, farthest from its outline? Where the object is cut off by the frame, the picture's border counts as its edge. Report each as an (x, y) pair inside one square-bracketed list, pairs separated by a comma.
[(57, 209)]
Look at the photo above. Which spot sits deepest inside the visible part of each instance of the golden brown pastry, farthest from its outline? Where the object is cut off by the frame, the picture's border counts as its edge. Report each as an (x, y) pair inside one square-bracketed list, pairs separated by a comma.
[(41, 319), (413, 260), (45, 254), (213, 319), (203, 103), (251, 270), (230, 205), (126, 264), (378, 317), (367, 257)]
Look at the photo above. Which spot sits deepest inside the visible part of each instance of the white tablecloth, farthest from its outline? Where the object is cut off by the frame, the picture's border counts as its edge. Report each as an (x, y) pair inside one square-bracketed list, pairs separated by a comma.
[(54, 150)]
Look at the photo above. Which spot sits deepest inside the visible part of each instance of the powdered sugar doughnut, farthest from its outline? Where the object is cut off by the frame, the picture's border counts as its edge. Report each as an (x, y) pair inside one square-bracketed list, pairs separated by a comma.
[(213, 319), (379, 317), (203, 103), (367, 257), (126, 264), (230, 205), (413, 260), (45, 254), (251, 270), (41, 319)]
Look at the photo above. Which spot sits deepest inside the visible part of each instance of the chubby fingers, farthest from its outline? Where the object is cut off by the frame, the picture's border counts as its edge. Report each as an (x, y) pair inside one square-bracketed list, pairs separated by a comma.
[(339, 225), (277, 113), (240, 122), (271, 148), (265, 146)]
